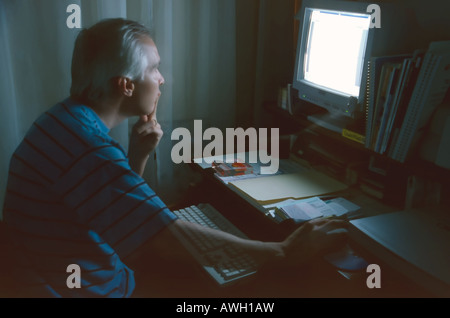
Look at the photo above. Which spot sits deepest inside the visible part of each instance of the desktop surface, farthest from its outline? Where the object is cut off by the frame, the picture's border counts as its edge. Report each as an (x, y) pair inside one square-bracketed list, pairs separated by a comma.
[(166, 278), (323, 280)]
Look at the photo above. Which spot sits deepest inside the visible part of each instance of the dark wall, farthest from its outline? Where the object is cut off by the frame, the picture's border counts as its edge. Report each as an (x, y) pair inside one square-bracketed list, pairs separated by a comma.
[(265, 46)]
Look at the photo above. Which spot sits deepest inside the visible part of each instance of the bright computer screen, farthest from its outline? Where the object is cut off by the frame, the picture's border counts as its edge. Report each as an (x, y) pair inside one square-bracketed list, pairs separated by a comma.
[(335, 50)]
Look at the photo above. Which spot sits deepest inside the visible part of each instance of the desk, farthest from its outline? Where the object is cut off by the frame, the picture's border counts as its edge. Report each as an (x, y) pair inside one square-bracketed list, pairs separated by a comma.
[(321, 279), (245, 213), (169, 279)]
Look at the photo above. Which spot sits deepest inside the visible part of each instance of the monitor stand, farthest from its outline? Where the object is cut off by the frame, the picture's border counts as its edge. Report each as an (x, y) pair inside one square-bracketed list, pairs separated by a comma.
[(331, 121)]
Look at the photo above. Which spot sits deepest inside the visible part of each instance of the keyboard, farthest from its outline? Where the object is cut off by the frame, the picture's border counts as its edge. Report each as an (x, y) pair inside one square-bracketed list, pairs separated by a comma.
[(225, 264)]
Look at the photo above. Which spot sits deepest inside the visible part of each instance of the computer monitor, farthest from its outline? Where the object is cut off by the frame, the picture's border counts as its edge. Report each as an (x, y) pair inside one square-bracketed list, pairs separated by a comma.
[(333, 47), (335, 41)]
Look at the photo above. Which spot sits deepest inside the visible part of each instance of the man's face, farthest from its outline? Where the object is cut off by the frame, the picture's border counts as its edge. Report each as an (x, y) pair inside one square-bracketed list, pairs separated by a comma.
[(146, 90)]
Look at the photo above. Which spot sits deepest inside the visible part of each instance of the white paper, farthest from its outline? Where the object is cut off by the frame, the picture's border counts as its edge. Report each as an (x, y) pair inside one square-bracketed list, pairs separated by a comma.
[(307, 209), (341, 206)]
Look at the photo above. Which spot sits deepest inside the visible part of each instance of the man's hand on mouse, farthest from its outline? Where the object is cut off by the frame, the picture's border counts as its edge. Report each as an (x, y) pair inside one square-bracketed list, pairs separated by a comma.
[(314, 238)]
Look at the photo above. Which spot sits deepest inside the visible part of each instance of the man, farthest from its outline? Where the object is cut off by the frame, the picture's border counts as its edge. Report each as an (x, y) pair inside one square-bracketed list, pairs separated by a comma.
[(75, 197)]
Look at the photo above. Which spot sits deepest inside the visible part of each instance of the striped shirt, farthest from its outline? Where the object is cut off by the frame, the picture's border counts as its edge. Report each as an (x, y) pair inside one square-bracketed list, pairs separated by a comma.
[(72, 198)]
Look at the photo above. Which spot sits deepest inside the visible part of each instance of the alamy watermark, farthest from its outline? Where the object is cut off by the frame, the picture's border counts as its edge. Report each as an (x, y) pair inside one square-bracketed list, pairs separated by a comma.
[(375, 15), (74, 279), (226, 148), (374, 279), (73, 21), (74, 18)]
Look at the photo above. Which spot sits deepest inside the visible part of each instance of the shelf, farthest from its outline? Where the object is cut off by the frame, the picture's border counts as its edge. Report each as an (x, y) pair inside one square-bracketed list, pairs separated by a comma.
[(414, 165), (397, 173), (303, 124)]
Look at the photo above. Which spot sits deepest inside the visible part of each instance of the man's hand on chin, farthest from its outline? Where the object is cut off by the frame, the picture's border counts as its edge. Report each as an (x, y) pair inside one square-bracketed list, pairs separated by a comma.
[(145, 137)]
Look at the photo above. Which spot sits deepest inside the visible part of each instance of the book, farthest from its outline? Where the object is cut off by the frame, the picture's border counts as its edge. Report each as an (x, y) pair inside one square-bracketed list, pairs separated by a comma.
[(376, 79), (386, 108), (432, 84), (402, 80), (410, 81), (382, 95)]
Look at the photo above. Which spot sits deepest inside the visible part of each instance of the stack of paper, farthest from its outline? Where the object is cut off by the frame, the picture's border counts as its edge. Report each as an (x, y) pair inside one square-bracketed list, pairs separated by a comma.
[(271, 189), (312, 208)]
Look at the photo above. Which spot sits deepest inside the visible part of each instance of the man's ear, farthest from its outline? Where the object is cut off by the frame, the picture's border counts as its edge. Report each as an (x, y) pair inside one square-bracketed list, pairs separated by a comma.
[(125, 86)]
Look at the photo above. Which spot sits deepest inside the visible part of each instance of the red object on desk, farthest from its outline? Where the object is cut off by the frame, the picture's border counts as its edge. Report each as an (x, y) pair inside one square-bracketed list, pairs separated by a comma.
[(232, 169)]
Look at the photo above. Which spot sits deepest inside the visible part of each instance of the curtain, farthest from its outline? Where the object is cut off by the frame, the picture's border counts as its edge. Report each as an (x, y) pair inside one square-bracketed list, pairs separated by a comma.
[(196, 42)]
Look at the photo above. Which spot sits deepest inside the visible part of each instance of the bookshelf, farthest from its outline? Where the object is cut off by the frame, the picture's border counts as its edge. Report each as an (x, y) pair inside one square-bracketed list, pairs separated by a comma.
[(403, 91), (298, 121), (342, 158), (381, 150)]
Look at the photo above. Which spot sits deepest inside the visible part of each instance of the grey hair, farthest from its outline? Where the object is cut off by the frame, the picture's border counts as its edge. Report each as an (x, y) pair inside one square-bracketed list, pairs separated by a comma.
[(110, 48)]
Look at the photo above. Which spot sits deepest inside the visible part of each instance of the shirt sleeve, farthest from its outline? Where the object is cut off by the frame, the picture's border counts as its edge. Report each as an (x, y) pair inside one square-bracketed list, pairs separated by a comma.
[(106, 195)]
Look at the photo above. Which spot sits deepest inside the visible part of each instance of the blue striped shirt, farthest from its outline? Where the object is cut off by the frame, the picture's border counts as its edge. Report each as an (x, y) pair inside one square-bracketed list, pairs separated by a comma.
[(72, 198)]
